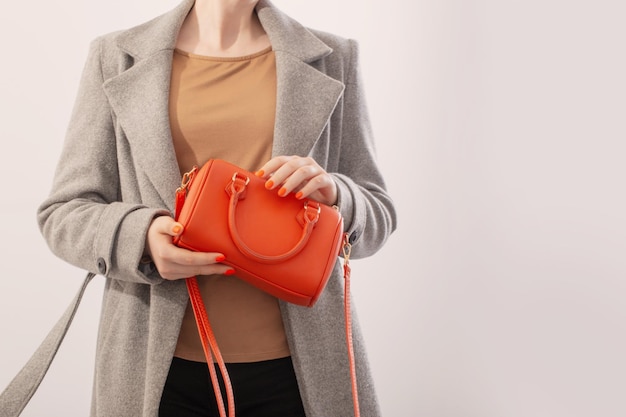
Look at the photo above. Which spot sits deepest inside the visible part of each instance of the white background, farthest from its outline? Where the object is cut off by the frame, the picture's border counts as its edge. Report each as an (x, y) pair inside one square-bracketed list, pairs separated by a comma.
[(500, 126)]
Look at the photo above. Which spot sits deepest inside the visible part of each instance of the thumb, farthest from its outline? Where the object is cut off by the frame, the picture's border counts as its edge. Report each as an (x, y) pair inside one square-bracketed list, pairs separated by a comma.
[(175, 229), (168, 226)]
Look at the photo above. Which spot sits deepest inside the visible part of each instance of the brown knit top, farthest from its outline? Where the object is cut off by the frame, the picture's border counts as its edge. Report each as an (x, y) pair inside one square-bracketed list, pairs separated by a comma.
[(225, 108)]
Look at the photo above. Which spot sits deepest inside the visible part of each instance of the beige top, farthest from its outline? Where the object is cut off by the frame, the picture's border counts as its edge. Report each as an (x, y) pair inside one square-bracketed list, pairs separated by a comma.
[(225, 108)]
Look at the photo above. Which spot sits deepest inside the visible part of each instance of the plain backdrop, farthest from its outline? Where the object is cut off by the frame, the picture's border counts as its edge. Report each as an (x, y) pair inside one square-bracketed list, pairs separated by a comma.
[(500, 127)]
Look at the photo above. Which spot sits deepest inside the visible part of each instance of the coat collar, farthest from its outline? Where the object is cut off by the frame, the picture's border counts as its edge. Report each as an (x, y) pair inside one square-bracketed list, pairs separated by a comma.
[(139, 95)]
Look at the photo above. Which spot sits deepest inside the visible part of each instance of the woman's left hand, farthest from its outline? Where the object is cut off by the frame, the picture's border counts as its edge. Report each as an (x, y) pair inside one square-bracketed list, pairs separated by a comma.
[(300, 175)]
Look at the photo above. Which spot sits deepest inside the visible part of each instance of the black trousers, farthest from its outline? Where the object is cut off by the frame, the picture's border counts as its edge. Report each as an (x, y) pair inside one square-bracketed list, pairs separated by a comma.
[(261, 389)]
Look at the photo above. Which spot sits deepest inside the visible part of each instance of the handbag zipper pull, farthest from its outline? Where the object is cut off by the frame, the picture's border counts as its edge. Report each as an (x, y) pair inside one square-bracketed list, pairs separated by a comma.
[(187, 178), (346, 250), (181, 192)]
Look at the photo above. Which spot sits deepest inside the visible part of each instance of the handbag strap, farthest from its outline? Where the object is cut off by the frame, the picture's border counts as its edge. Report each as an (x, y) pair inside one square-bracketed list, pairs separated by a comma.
[(347, 249), (209, 343), (207, 337)]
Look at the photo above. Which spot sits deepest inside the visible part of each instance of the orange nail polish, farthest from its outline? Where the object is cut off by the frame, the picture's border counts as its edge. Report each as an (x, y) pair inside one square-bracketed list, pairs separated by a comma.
[(260, 173), (282, 191), (269, 184), (176, 229), (299, 195), (230, 272), (220, 258)]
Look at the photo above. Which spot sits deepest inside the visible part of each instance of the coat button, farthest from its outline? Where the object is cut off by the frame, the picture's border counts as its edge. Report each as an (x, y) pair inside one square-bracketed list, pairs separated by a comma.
[(102, 266), (353, 237)]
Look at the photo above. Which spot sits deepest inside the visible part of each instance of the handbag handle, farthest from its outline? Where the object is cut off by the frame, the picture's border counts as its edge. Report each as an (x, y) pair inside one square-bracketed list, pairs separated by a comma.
[(311, 216)]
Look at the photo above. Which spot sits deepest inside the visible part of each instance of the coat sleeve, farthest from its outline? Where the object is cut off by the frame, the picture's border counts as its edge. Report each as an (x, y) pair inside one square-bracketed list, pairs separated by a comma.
[(84, 220), (367, 208)]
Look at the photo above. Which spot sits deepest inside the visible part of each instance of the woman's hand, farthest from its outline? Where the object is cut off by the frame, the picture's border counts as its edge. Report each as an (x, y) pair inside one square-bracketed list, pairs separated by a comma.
[(173, 262), (301, 175)]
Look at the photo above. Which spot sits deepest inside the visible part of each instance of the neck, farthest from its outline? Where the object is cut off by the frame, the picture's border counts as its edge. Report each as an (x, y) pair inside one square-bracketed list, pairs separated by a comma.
[(223, 27)]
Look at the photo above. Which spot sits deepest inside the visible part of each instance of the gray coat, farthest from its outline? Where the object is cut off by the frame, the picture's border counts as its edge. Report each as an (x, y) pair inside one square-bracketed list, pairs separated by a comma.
[(118, 170)]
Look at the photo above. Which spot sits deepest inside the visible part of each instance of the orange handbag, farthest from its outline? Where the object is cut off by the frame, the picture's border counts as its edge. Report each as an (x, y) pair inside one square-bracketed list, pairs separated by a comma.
[(282, 245)]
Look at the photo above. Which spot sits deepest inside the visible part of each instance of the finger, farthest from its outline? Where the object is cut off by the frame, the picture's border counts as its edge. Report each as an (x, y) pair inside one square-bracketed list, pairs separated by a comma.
[(174, 263), (213, 270), (184, 257), (302, 168), (300, 178), (173, 272), (322, 188), (272, 165), (167, 226)]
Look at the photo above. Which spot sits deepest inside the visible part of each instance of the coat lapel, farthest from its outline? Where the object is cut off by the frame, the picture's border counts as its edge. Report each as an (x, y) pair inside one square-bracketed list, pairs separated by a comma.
[(139, 96), (305, 101), (306, 97), (142, 111)]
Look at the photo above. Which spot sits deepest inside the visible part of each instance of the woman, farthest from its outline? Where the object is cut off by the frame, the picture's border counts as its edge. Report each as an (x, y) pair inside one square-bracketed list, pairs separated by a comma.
[(230, 79)]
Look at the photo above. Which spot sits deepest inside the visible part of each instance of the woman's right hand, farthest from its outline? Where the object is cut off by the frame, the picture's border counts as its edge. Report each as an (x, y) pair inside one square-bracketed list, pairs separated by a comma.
[(175, 263)]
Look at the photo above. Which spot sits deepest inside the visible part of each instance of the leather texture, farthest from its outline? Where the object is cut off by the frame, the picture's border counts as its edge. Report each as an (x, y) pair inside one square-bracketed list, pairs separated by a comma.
[(282, 245)]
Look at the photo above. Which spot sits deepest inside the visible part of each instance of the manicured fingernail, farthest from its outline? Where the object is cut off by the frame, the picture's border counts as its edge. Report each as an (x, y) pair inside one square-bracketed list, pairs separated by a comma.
[(299, 195), (269, 184), (230, 272), (220, 258), (177, 229), (260, 173), (282, 191)]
